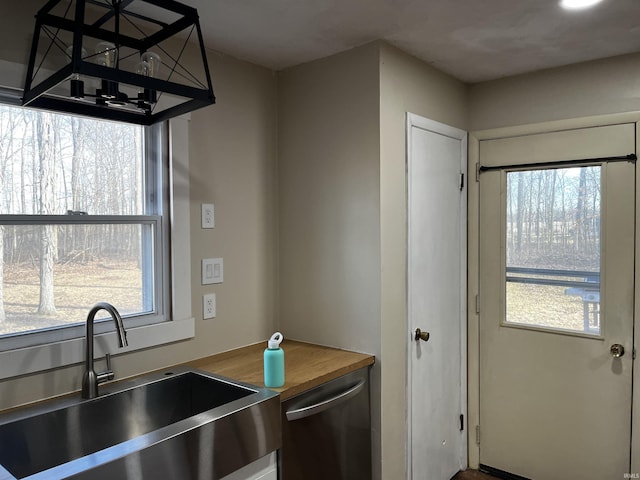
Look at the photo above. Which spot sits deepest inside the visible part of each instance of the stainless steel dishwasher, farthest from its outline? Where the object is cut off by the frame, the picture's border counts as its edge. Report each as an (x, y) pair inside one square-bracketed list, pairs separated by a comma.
[(326, 431)]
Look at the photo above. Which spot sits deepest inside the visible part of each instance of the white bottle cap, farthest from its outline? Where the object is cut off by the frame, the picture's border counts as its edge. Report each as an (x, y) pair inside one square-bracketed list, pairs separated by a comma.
[(274, 341)]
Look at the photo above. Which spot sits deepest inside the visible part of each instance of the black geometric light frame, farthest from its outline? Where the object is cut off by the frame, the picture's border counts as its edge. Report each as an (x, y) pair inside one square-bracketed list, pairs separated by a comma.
[(65, 37)]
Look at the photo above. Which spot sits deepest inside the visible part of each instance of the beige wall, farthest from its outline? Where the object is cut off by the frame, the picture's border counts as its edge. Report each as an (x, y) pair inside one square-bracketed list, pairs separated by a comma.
[(232, 164), (591, 88), (15, 42), (329, 207), (406, 85), (329, 200), (17, 30)]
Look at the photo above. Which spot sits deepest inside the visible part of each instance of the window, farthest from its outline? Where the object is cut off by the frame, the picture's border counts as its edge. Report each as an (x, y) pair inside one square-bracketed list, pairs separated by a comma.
[(82, 219), (553, 243)]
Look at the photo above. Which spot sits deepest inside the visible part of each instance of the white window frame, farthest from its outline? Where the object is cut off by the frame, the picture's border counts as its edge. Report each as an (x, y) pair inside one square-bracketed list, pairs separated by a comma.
[(177, 322)]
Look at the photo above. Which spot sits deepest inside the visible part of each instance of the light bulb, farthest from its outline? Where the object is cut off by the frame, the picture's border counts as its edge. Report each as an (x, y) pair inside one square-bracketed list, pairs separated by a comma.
[(76, 85), (69, 52), (149, 66), (153, 61), (143, 69), (106, 54)]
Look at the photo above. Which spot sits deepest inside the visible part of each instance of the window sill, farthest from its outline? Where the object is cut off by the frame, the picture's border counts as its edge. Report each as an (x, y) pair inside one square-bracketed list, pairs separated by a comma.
[(44, 357)]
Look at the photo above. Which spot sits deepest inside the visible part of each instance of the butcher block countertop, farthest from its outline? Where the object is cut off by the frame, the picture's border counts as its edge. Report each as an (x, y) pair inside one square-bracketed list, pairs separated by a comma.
[(305, 365)]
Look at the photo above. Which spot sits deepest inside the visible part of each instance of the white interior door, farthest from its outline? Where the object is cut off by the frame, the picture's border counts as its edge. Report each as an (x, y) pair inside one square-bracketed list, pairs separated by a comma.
[(436, 298), (556, 304)]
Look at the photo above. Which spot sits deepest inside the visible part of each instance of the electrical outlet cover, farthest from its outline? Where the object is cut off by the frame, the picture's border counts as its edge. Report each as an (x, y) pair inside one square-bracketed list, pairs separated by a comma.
[(208, 215), (209, 305)]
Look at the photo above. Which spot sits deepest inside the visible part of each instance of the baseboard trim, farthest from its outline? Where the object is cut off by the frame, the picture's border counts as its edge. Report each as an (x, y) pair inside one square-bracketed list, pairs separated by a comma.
[(500, 473)]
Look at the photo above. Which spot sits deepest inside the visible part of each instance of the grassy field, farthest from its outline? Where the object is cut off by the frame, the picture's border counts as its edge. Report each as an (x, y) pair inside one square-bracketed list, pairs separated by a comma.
[(544, 305), (77, 288)]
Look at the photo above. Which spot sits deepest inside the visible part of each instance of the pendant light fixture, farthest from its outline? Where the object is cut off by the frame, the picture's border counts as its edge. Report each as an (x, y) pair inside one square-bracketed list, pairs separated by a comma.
[(135, 61)]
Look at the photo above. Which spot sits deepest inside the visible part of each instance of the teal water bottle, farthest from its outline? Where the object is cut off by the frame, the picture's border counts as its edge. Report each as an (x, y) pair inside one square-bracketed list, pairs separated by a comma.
[(274, 362)]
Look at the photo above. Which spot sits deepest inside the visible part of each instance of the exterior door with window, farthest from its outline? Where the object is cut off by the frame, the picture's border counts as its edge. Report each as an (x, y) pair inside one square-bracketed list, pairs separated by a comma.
[(556, 303)]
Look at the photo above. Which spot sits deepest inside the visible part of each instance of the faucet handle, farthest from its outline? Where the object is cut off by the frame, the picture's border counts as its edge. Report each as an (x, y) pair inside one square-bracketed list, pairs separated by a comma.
[(108, 373)]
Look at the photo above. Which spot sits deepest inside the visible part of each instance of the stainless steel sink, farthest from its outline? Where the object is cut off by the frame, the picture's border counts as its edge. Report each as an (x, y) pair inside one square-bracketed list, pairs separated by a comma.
[(183, 424)]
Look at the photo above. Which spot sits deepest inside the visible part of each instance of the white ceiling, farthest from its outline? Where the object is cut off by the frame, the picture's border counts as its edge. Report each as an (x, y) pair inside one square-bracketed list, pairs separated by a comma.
[(473, 40)]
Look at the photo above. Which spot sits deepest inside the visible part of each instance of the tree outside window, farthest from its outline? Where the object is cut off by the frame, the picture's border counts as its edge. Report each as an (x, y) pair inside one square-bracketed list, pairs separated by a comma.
[(79, 219)]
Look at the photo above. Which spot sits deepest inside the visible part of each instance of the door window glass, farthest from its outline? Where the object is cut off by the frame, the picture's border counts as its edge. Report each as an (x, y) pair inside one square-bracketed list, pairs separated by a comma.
[(553, 249)]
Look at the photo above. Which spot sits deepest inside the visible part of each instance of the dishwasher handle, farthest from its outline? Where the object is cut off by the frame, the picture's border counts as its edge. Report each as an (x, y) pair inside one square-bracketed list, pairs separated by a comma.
[(304, 412)]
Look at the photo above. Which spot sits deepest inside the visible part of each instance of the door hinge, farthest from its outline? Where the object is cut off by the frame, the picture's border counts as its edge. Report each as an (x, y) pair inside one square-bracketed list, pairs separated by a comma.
[(461, 422), (478, 435), (461, 181), (633, 356), (477, 303)]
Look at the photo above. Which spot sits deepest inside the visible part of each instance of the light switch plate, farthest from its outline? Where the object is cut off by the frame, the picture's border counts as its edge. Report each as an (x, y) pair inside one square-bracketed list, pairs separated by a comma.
[(209, 306), (212, 271), (208, 215)]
